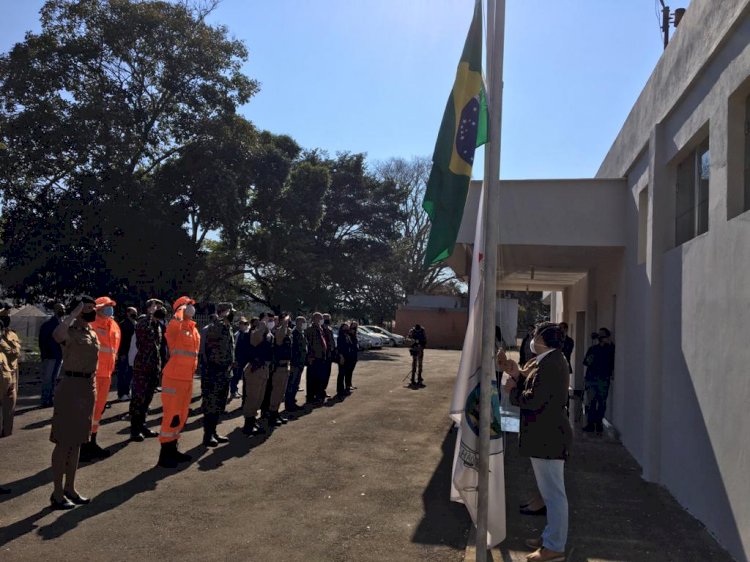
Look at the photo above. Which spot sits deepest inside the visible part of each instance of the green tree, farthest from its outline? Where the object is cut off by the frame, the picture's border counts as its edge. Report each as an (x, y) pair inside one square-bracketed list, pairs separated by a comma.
[(93, 108)]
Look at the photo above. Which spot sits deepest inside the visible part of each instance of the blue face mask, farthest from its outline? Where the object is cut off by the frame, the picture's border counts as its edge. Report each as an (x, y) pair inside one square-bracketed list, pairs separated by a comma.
[(108, 311)]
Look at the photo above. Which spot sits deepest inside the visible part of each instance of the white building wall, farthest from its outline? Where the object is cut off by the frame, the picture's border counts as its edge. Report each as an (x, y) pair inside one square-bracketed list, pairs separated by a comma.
[(683, 355)]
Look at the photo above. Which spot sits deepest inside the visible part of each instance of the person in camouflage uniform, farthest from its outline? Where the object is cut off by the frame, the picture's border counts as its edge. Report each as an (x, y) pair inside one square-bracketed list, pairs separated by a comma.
[(149, 336), (218, 374)]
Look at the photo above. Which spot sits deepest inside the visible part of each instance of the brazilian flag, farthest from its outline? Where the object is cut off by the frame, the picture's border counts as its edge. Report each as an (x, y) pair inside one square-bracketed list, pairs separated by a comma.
[(464, 128)]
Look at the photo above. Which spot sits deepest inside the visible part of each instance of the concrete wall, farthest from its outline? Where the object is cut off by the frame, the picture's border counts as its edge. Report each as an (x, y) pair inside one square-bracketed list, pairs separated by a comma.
[(592, 205), (681, 390)]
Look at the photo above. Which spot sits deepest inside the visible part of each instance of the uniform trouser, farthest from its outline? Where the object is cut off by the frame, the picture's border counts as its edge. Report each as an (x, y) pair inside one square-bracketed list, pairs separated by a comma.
[(102, 393), (8, 395), (292, 386), (50, 373), (144, 386), (416, 364), (124, 376), (215, 390), (237, 376), (175, 398), (277, 380), (255, 389), (597, 391)]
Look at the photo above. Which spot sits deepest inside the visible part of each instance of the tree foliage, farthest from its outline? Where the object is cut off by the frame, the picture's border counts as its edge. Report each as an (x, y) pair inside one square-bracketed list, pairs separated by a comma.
[(93, 108)]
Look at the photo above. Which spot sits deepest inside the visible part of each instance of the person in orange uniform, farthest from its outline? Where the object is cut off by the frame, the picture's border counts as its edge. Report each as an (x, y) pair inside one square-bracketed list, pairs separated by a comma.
[(183, 340), (109, 335)]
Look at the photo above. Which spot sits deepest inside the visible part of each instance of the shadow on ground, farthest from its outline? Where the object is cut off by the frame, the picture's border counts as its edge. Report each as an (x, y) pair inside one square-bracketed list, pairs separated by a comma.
[(445, 522)]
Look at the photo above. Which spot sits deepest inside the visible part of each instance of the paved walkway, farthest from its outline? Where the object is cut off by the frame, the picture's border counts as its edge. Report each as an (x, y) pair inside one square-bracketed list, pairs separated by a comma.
[(365, 479)]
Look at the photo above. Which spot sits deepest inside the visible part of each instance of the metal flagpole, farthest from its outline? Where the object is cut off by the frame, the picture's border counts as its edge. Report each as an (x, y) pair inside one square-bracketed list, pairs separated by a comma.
[(495, 48)]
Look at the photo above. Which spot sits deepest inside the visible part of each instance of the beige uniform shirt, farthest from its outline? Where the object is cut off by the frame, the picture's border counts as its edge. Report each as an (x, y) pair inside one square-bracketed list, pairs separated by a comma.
[(10, 347), (81, 349)]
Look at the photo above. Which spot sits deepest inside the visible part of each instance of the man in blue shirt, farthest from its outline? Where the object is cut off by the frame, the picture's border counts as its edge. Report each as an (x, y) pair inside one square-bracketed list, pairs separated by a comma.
[(51, 355)]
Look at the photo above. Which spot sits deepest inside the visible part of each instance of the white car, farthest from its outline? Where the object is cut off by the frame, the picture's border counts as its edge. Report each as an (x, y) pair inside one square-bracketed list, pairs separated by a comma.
[(396, 339), (383, 340), (368, 341)]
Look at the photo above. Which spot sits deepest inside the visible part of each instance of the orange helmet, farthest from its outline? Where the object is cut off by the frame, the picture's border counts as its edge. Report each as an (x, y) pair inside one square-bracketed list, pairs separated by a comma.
[(101, 302), (182, 301)]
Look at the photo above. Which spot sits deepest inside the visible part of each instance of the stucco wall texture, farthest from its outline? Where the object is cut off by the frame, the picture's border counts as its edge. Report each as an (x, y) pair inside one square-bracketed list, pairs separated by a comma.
[(682, 387)]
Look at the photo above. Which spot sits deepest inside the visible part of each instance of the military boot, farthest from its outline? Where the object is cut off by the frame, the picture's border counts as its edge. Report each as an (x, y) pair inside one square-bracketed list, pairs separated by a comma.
[(180, 457), (274, 420), (96, 451), (209, 427), (166, 455)]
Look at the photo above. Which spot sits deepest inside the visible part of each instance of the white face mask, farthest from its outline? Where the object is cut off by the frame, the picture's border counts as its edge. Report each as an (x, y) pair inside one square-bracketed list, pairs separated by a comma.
[(271, 325), (532, 346), (319, 322), (190, 311)]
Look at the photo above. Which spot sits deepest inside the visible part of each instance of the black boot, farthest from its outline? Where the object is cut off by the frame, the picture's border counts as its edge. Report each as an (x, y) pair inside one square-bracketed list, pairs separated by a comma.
[(251, 427), (180, 457), (274, 420), (135, 429), (166, 455), (219, 438), (97, 452), (209, 427)]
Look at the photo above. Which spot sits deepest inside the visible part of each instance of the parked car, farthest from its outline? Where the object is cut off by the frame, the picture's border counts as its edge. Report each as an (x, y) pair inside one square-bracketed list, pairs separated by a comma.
[(363, 343), (384, 341), (368, 341), (397, 340)]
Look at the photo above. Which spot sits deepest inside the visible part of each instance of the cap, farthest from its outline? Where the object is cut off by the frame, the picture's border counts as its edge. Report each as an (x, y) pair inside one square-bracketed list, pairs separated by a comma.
[(182, 301), (223, 307), (101, 302), (5, 305), (149, 302)]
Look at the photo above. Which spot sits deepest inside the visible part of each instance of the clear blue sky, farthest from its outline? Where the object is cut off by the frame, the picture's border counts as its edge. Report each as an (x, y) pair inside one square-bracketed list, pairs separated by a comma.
[(373, 75)]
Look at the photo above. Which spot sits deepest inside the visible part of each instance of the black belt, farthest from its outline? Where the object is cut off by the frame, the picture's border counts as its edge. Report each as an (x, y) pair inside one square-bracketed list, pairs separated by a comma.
[(78, 374)]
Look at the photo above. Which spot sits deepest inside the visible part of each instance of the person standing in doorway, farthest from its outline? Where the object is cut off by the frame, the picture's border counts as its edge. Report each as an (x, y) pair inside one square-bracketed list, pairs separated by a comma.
[(51, 354), (568, 345), (600, 368)]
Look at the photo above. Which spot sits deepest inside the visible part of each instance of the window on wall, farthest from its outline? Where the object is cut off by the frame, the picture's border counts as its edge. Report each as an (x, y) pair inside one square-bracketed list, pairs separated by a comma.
[(746, 206), (691, 209)]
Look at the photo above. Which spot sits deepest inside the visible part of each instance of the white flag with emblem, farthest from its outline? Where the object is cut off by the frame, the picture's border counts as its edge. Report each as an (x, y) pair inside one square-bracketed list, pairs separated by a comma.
[(465, 407)]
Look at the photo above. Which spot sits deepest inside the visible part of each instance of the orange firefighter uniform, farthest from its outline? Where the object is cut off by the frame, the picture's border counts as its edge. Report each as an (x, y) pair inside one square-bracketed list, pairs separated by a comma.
[(183, 340), (108, 334)]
